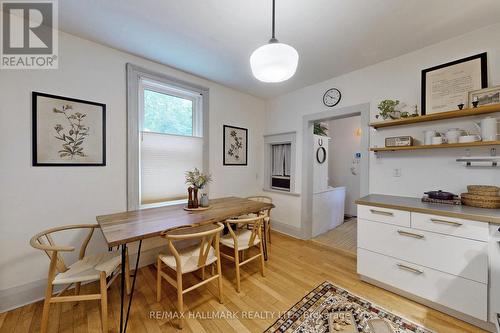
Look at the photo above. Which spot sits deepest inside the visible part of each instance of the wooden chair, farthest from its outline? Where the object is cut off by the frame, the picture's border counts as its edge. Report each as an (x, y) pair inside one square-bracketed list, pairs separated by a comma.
[(267, 213), (86, 269), (190, 259), (242, 239)]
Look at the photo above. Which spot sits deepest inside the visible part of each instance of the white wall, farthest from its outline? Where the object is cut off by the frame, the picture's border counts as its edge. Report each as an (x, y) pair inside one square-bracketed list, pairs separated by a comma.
[(344, 144), (36, 198), (398, 78)]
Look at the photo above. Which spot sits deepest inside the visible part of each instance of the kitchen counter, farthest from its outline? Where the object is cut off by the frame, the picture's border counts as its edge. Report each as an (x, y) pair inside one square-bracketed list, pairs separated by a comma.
[(416, 205)]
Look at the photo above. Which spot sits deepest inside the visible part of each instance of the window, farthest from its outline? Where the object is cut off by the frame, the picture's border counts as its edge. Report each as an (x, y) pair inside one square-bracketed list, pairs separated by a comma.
[(167, 133), (171, 140), (280, 162)]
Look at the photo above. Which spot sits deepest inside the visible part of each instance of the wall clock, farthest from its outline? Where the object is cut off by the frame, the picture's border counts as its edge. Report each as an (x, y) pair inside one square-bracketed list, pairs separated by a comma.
[(332, 97)]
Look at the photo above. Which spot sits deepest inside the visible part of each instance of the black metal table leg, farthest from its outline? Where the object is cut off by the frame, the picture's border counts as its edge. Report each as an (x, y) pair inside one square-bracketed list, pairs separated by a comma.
[(122, 285), (133, 285)]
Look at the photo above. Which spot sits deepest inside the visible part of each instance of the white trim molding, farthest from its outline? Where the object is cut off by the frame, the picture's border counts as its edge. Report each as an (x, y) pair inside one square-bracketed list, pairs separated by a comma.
[(134, 76)]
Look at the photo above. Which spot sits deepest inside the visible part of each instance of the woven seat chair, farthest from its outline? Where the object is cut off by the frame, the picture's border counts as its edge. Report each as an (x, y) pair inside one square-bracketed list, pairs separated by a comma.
[(267, 220), (190, 259), (241, 239), (85, 269)]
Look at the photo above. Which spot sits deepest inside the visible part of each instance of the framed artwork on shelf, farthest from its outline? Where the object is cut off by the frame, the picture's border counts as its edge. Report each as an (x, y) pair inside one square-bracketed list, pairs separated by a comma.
[(68, 131), (235, 145), (487, 96), (446, 86)]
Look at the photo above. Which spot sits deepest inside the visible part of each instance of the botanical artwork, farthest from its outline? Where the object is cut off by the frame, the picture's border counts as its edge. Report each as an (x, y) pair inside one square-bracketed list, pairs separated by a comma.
[(68, 131), (73, 135), (235, 145)]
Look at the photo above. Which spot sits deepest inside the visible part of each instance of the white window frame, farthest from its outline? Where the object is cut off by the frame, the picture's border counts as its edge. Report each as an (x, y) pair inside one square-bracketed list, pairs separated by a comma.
[(167, 89), (136, 75), (275, 139)]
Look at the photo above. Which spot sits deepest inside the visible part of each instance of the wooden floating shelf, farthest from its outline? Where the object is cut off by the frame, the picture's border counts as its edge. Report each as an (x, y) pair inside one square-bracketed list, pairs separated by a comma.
[(438, 116), (441, 146)]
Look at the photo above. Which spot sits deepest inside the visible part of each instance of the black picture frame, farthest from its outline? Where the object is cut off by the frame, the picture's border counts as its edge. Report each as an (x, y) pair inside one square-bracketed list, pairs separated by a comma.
[(34, 108), (224, 160), (484, 75)]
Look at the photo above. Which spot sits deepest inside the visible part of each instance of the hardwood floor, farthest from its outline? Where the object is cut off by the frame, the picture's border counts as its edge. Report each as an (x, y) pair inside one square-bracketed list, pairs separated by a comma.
[(344, 237), (294, 269)]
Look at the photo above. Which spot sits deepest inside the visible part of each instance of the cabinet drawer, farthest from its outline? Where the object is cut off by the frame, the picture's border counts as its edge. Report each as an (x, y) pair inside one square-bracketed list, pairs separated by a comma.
[(458, 256), (450, 226), (454, 292), (386, 215)]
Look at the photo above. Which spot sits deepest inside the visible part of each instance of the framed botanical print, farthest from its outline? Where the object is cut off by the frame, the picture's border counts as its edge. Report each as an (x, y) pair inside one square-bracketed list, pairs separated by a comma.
[(68, 131), (235, 144), (446, 86)]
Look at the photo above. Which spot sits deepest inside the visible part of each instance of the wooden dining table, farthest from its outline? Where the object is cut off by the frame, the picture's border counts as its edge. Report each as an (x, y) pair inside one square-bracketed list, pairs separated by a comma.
[(120, 229)]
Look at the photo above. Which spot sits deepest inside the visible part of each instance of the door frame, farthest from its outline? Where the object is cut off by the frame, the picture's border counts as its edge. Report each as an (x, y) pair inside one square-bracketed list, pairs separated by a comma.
[(308, 121)]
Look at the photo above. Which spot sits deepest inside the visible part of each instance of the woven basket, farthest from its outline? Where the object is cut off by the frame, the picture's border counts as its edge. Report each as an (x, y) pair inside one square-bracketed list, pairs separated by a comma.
[(484, 190), (481, 201)]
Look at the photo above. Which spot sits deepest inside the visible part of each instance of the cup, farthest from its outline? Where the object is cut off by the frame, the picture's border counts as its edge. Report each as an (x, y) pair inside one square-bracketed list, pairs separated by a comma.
[(438, 140)]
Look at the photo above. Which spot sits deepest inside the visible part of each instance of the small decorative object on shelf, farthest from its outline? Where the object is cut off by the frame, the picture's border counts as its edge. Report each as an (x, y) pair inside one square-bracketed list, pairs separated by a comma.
[(475, 102), (388, 110), (399, 141), (460, 106), (196, 181)]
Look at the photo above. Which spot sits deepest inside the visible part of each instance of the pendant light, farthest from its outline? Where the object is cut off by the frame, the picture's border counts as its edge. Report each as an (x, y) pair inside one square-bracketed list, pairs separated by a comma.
[(275, 61)]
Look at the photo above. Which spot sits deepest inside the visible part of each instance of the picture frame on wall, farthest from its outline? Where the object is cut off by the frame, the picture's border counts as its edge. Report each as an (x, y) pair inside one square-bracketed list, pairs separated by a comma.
[(235, 145), (67, 131), (487, 96), (446, 86)]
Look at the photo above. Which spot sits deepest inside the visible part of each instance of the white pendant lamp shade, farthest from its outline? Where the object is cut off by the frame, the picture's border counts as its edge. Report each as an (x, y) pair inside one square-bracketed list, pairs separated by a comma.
[(274, 62)]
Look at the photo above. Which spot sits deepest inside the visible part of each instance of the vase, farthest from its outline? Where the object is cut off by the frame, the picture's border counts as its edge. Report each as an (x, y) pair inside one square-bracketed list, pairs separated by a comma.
[(204, 200), (190, 197), (195, 198)]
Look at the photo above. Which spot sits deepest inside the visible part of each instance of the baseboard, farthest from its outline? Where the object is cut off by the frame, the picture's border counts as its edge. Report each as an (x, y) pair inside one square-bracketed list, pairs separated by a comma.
[(462, 316), (34, 291), (286, 229)]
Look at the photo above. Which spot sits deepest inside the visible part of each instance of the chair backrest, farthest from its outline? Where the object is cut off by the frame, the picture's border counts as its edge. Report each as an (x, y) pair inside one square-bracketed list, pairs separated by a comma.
[(261, 198), (205, 233), (45, 242), (254, 222)]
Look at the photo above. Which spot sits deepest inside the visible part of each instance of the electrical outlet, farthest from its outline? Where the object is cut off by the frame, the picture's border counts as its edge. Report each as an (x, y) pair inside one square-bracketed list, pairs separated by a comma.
[(396, 172)]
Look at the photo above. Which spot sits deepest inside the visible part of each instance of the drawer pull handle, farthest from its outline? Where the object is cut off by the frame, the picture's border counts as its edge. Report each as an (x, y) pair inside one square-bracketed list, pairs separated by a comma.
[(410, 234), (410, 269), (452, 223), (381, 212)]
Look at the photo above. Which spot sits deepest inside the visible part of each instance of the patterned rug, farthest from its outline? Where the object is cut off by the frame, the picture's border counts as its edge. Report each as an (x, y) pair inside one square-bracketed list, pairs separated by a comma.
[(329, 308)]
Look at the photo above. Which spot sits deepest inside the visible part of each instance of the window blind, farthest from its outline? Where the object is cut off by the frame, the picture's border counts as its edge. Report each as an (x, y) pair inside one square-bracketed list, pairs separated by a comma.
[(164, 160)]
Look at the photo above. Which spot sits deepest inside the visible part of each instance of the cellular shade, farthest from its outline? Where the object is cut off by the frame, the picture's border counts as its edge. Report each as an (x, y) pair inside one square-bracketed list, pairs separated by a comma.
[(164, 160)]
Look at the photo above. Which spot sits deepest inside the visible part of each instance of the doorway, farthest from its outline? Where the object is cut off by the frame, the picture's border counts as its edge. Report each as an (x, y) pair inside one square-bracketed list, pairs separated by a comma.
[(336, 184), (348, 133)]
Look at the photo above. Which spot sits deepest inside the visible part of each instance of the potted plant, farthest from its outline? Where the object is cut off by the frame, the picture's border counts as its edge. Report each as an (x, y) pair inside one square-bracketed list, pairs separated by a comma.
[(388, 110), (197, 181)]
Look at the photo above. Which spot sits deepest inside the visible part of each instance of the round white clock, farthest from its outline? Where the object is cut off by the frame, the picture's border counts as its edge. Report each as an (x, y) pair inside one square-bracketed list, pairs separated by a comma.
[(332, 97)]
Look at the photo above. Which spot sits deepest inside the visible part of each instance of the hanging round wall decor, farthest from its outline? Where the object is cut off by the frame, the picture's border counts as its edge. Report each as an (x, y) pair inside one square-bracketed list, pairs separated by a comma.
[(321, 155)]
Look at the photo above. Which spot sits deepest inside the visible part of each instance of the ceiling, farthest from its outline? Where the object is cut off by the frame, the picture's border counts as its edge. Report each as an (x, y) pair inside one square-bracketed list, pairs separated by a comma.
[(214, 38)]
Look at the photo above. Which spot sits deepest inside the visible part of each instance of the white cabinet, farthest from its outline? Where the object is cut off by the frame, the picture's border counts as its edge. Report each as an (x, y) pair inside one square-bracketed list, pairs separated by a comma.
[(385, 215), (450, 226), (435, 258), (457, 293), (461, 257)]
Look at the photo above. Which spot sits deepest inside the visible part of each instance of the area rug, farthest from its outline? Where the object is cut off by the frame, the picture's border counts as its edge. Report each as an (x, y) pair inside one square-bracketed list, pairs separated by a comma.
[(329, 308)]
